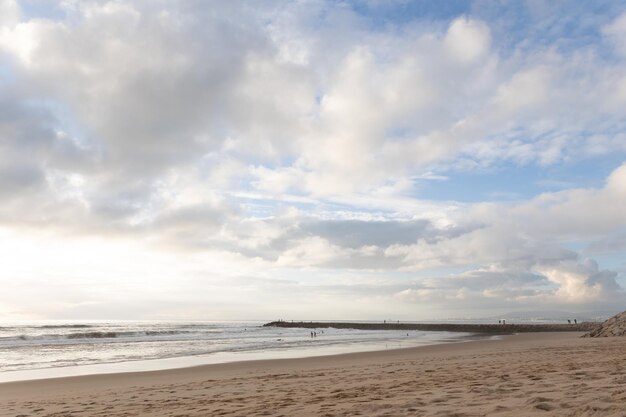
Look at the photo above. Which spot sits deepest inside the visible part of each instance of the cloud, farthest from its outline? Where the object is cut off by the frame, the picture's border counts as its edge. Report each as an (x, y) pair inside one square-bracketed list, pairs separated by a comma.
[(582, 282), (9, 13), (147, 97), (467, 40), (615, 31), (150, 92), (355, 233), (576, 213), (492, 286), (527, 89), (559, 284), (523, 233), (295, 138), (610, 244)]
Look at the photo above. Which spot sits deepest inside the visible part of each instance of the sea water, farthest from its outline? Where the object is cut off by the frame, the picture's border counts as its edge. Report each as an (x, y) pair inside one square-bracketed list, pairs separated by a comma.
[(48, 349)]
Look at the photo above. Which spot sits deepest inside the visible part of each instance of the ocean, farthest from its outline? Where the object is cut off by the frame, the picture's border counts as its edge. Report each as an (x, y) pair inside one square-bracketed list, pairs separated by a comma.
[(49, 349)]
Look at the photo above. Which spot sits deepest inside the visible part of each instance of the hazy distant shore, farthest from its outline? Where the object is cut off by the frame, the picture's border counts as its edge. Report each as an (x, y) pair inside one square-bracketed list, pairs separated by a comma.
[(443, 327), (526, 374)]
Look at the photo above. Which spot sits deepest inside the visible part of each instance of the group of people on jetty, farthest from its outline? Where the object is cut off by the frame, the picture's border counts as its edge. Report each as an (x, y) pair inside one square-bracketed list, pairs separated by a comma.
[(569, 321)]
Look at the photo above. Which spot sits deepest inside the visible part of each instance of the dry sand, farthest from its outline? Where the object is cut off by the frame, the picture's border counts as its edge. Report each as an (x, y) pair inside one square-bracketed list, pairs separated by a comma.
[(545, 374)]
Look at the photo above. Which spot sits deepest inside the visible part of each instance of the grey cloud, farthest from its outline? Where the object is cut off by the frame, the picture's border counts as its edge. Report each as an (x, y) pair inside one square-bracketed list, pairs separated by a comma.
[(32, 153), (609, 244), (605, 279), (484, 287), (162, 88), (193, 227), (393, 244), (360, 244), (151, 87), (564, 284), (114, 199), (357, 233), (19, 179), (486, 279)]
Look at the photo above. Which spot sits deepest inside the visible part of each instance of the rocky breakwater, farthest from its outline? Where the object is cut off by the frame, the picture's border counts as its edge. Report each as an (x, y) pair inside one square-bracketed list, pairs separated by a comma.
[(444, 327), (615, 326)]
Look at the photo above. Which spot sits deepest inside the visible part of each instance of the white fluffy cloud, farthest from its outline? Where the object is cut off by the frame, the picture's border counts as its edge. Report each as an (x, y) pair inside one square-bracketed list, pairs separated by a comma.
[(616, 31), (9, 13), (145, 94), (467, 40), (560, 285), (582, 282)]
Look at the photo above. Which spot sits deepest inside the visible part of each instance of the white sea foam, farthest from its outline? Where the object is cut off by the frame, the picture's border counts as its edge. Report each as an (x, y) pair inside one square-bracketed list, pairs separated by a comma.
[(35, 346)]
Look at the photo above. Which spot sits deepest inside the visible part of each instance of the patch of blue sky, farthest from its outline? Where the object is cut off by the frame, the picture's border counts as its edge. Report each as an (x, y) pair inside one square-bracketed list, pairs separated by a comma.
[(41, 9), (7, 75), (255, 210), (610, 243), (564, 24), (259, 205), (606, 259), (399, 133), (515, 25), (64, 120), (511, 182), (611, 261), (577, 246), (382, 14)]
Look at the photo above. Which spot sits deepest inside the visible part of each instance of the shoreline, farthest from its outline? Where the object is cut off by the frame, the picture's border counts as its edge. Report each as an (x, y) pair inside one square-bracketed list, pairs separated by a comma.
[(235, 366), (466, 332), (226, 357), (522, 374)]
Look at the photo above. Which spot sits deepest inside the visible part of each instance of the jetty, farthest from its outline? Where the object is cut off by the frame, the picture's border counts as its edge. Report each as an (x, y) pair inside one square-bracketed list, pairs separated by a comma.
[(442, 327)]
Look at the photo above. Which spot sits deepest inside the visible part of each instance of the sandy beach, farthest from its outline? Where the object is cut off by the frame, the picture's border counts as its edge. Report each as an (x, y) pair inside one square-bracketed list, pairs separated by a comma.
[(527, 374)]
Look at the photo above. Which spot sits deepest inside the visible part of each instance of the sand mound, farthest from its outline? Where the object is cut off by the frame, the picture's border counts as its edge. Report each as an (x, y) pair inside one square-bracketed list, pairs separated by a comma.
[(615, 326)]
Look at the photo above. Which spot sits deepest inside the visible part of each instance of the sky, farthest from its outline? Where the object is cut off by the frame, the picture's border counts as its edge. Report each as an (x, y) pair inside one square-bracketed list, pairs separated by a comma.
[(239, 160)]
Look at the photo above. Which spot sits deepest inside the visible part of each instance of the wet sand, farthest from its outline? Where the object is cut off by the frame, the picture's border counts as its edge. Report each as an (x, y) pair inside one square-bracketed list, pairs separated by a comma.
[(543, 374)]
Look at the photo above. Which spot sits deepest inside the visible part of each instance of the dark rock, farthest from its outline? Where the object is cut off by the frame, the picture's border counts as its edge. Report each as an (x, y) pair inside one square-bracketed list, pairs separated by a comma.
[(445, 327)]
